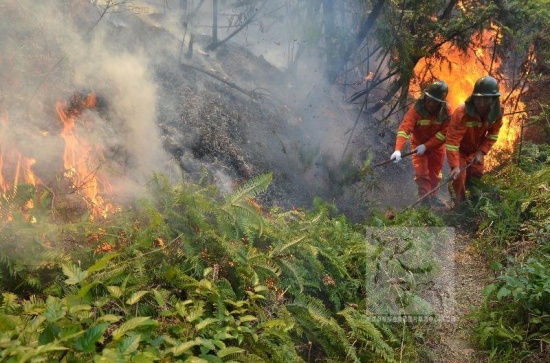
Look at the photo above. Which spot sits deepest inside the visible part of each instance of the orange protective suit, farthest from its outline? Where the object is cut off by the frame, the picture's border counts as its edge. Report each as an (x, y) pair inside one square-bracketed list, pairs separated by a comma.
[(466, 135), (422, 128)]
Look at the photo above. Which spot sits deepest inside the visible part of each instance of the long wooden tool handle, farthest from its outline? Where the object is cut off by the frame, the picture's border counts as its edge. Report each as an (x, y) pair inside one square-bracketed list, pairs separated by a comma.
[(439, 186), (390, 160)]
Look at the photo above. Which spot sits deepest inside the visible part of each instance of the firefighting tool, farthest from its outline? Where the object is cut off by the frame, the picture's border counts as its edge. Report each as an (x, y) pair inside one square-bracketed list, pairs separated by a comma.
[(439, 186), (390, 160)]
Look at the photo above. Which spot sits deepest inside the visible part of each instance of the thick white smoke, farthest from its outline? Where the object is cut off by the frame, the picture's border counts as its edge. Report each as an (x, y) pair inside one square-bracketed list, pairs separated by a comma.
[(140, 60), (54, 50)]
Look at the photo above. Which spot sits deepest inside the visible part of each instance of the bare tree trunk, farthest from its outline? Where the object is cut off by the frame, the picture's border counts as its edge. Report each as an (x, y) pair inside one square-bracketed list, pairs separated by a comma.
[(369, 21), (331, 45), (214, 23), (213, 45), (312, 11), (448, 10)]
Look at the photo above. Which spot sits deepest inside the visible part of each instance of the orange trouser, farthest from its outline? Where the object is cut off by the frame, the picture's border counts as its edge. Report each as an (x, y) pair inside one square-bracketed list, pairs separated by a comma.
[(427, 170), (474, 171)]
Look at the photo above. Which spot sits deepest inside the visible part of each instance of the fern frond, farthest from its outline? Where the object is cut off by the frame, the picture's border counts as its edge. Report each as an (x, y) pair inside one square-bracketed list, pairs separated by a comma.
[(368, 333), (316, 319), (295, 271), (337, 263), (9, 302), (225, 289), (33, 304), (280, 248), (277, 348), (314, 307), (250, 189), (251, 358)]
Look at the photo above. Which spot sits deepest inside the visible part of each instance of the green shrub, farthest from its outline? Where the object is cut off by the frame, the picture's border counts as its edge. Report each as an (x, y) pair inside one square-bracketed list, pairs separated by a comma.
[(190, 275), (514, 322)]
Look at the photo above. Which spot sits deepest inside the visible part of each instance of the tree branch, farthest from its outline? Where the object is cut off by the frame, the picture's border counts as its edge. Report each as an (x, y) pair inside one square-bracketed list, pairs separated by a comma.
[(216, 44)]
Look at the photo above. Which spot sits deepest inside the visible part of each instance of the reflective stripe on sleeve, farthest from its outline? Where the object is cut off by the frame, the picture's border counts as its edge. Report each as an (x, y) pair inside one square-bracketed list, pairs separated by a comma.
[(440, 136), (473, 124), (403, 134), (450, 147), (492, 137)]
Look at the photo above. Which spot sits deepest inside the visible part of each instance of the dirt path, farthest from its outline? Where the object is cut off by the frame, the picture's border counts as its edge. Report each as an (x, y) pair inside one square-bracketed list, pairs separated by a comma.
[(453, 341)]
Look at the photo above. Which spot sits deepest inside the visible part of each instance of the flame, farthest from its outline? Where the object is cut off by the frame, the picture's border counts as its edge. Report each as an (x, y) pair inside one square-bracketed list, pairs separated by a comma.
[(460, 70), (82, 160), (14, 167)]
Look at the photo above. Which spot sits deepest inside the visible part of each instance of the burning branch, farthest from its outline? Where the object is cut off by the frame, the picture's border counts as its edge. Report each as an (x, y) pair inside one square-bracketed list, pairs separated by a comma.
[(17, 181), (81, 164)]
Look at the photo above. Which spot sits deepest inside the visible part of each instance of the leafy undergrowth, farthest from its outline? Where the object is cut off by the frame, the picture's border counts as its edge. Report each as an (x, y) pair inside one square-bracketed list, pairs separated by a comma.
[(189, 275), (513, 208)]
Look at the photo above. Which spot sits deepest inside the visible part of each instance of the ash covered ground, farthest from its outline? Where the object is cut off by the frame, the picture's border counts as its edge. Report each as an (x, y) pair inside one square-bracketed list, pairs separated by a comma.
[(169, 106)]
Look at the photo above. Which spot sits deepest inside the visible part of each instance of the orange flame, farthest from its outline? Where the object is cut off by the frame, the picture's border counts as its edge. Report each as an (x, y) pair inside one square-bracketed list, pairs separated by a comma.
[(81, 159), (14, 167), (460, 70), (11, 161)]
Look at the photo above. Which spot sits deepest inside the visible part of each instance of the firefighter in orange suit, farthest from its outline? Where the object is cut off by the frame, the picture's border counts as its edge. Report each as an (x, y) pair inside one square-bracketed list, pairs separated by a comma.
[(472, 132), (425, 124)]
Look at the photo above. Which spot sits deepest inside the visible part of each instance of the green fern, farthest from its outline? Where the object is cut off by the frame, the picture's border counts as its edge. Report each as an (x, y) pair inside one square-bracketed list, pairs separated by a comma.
[(250, 189), (319, 326), (279, 249), (368, 334), (215, 274), (239, 211), (293, 272)]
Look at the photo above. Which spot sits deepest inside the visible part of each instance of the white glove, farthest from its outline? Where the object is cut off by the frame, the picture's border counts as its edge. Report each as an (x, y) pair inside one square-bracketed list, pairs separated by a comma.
[(455, 172), (396, 156), (478, 158), (420, 149)]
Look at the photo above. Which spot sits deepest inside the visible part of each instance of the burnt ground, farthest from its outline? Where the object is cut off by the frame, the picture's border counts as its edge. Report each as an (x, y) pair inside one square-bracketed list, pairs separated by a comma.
[(227, 114), (234, 115)]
